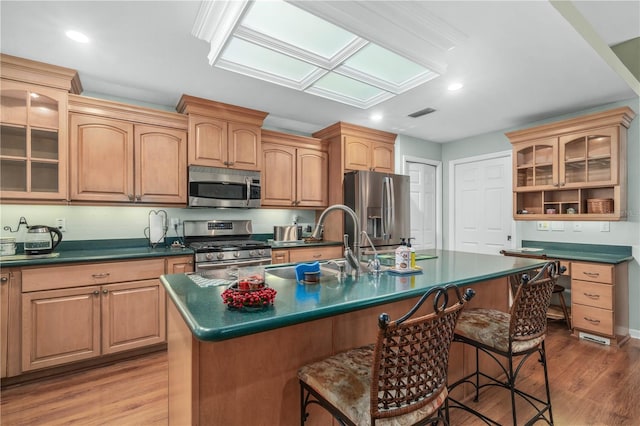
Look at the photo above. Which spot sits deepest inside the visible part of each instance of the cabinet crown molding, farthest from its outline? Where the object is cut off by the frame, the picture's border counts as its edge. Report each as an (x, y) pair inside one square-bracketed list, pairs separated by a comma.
[(134, 113), (193, 105), (618, 116), (272, 136), (28, 71), (346, 129)]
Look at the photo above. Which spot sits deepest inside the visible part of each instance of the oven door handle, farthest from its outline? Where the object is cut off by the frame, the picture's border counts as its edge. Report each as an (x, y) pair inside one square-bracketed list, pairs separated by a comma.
[(248, 190), (221, 265)]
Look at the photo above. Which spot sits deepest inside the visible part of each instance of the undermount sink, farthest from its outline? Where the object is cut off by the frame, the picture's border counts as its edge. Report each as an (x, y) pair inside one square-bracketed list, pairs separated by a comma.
[(328, 272)]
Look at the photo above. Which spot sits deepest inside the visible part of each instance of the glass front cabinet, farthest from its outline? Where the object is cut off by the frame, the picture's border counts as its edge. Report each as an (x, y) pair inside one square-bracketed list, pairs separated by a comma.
[(33, 142), (33, 129), (572, 170)]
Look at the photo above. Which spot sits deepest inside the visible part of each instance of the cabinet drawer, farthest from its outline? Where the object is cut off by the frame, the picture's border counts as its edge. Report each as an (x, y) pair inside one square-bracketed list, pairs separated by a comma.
[(592, 272), (315, 253), (592, 294), (280, 256), (55, 277), (593, 319)]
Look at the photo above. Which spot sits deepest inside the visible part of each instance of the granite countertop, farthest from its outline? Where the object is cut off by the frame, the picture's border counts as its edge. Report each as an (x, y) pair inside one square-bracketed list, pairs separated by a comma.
[(94, 251), (210, 320), (573, 251)]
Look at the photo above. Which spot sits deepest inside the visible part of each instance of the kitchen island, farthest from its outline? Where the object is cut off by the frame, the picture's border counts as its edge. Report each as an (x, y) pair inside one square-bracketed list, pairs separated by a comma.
[(228, 367)]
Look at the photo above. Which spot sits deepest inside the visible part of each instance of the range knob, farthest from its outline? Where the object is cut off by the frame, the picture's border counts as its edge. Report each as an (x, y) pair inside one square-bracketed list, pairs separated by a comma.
[(220, 256), (209, 256), (236, 254), (252, 253), (261, 251)]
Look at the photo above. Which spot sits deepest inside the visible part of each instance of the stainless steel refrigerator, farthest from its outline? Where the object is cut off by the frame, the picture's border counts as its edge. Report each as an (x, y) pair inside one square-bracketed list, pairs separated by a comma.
[(381, 202)]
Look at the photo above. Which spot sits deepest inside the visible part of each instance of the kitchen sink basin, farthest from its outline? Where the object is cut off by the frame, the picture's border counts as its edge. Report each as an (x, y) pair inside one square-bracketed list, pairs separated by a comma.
[(328, 272)]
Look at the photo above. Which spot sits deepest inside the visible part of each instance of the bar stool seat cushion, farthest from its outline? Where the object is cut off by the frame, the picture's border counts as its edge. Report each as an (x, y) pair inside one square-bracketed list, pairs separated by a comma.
[(344, 380), (491, 328)]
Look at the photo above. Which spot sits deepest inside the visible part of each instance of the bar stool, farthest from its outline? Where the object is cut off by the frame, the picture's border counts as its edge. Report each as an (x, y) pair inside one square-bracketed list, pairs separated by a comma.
[(401, 379), (519, 333)]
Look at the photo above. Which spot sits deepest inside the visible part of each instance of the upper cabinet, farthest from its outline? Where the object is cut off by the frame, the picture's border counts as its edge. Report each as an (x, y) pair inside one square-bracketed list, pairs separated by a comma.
[(222, 135), (33, 129), (350, 148), (126, 154), (295, 171), (573, 169)]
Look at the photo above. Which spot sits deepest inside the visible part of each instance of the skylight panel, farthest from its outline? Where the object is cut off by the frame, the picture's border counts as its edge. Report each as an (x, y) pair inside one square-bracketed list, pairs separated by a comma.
[(289, 24), (347, 90), (251, 57)]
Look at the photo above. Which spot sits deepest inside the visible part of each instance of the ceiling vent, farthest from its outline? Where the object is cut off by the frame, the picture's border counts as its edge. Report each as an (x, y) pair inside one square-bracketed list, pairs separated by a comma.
[(422, 112)]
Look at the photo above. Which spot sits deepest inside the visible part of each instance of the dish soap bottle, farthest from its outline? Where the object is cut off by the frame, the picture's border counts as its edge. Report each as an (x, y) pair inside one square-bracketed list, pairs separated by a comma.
[(412, 253), (402, 256)]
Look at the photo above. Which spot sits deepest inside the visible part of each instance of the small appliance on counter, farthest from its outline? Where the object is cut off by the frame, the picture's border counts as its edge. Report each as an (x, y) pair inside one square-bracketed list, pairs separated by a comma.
[(41, 239), (287, 233)]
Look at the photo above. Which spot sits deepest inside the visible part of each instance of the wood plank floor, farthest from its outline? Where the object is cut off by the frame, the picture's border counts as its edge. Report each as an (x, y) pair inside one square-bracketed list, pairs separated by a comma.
[(590, 385)]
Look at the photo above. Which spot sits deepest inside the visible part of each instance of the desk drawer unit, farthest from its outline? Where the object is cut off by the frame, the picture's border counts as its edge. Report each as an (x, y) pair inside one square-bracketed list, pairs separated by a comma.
[(599, 300)]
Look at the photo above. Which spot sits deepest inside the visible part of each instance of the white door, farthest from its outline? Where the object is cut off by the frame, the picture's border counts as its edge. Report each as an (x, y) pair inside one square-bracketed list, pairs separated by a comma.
[(424, 176), (482, 211)]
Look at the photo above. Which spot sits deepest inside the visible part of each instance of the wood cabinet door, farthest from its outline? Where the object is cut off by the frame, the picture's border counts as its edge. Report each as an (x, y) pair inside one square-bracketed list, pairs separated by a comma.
[(279, 175), (589, 158), (179, 265), (160, 165), (133, 315), (312, 178), (357, 153), (4, 321), (101, 159), (207, 141), (244, 147), (33, 142), (60, 326), (382, 157), (536, 165)]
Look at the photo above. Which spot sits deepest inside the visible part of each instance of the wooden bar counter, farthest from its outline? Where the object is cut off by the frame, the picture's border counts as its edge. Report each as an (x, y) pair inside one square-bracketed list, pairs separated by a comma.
[(237, 368)]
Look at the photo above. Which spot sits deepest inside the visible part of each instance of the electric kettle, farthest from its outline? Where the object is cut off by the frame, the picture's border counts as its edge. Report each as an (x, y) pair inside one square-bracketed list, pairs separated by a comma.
[(41, 239)]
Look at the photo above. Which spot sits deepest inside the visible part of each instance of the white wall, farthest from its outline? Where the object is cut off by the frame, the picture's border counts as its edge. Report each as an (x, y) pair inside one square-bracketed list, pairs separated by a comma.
[(625, 233)]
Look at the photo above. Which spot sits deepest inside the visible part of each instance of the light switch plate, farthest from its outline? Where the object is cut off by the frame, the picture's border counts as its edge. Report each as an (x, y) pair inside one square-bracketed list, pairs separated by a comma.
[(577, 227), (557, 226), (604, 227), (543, 225)]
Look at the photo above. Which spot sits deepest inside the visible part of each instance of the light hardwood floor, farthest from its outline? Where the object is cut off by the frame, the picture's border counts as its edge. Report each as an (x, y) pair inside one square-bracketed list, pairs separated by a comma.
[(590, 385)]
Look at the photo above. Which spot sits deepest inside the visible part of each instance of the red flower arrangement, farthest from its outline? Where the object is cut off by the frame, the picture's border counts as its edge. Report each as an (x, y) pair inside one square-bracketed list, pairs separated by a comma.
[(252, 299)]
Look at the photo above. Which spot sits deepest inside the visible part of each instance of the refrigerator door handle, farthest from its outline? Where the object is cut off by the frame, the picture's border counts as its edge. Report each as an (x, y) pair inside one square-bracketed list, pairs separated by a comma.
[(388, 206)]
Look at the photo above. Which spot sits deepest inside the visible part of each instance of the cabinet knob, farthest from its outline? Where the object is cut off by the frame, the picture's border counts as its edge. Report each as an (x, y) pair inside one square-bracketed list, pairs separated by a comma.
[(230, 163), (4, 279), (130, 196), (105, 291), (96, 292), (138, 197)]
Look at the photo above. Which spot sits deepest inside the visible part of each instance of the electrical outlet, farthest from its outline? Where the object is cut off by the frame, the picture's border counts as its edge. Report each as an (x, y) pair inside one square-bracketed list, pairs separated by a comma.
[(543, 226), (61, 224), (175, 221), (557, 226), (604, 226), (577, 227)]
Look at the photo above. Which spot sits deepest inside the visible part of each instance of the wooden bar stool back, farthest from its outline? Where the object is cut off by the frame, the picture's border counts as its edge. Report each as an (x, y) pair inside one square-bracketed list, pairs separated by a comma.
[(516, 334), (399, 380)]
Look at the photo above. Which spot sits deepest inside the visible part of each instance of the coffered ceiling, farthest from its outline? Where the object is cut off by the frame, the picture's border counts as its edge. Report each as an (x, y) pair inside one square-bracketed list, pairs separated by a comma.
[(519, 61)]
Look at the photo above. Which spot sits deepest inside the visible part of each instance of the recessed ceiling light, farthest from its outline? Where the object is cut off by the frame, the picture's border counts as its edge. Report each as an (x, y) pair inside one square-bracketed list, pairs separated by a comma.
[(455, 86), (376, 116), (77, 36)]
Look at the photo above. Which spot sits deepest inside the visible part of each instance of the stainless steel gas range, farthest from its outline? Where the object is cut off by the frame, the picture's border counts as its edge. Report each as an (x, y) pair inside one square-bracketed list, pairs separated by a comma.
[(222, 246)]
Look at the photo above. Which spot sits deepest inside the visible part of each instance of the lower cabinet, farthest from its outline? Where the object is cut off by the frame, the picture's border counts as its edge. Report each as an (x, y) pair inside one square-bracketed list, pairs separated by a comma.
[(87, 310), (306, 254), (9, 322), (179, 264), (599, 300)]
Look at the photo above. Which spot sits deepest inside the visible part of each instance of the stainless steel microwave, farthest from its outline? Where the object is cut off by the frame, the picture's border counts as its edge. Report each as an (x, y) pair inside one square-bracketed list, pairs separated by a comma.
[(220, 187)]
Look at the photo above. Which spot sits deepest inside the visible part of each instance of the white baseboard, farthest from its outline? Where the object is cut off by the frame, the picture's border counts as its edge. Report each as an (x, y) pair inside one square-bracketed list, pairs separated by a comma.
[(635, 334)]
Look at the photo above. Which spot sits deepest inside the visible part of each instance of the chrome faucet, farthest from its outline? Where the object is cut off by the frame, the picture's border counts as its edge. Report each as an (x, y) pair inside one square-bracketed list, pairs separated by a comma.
[(352, 256)]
